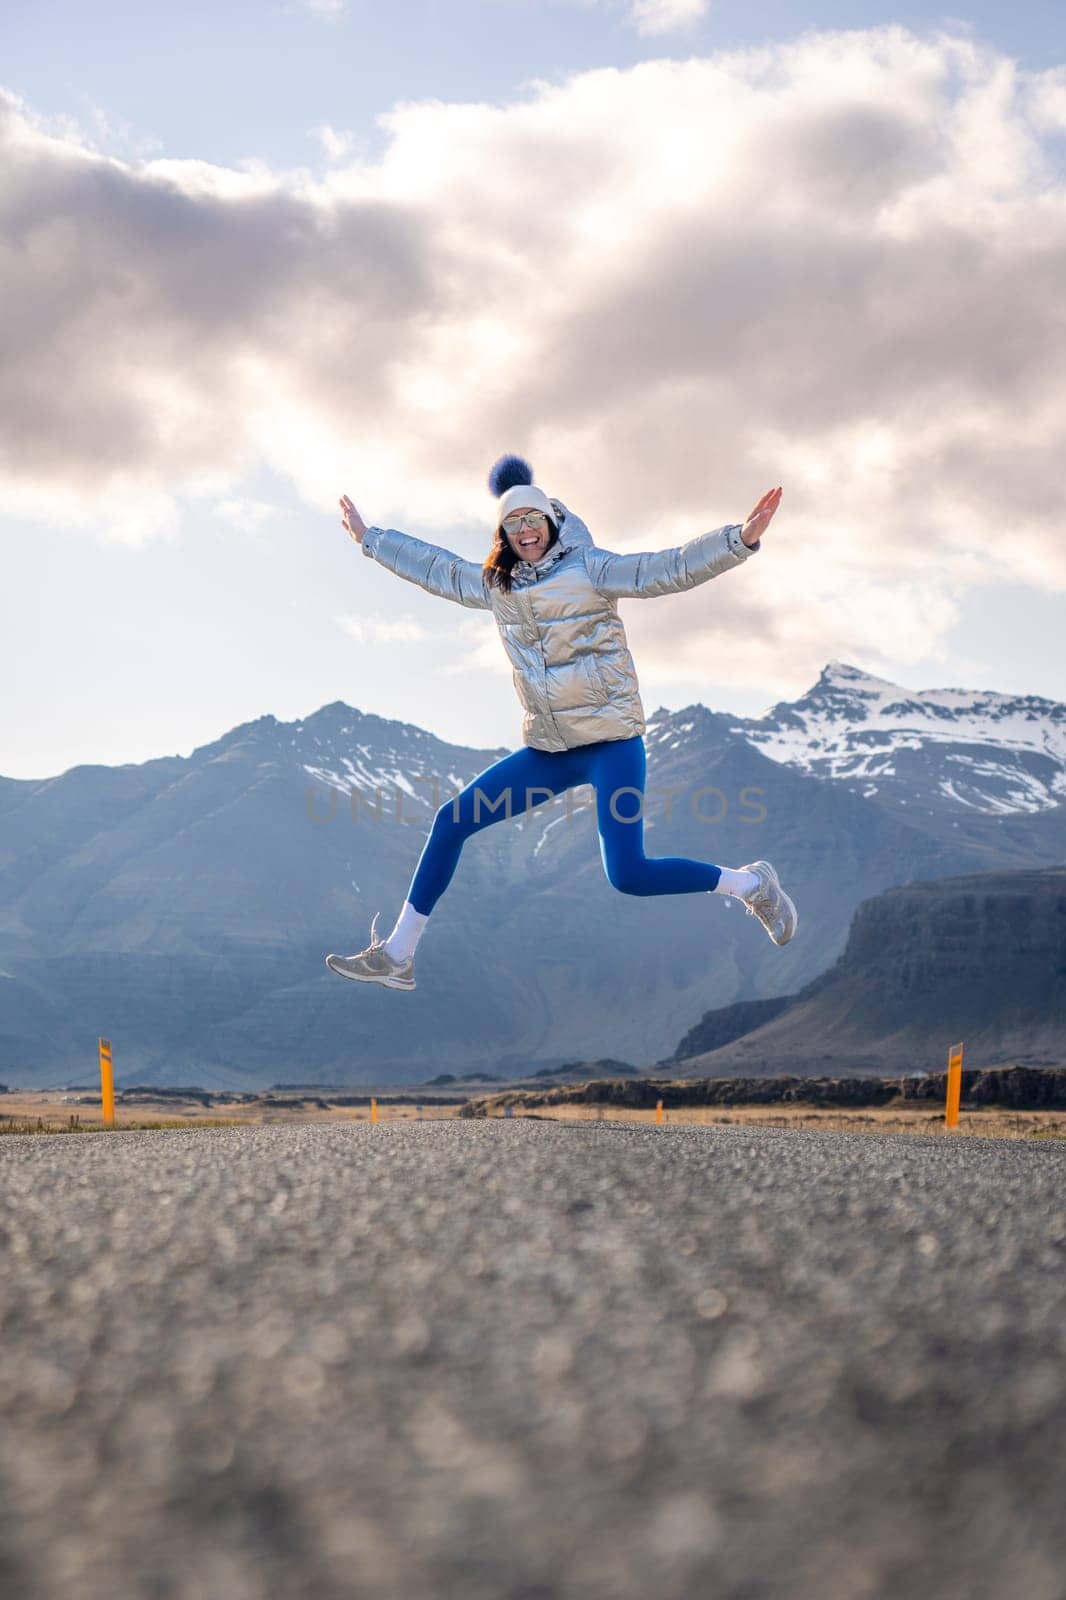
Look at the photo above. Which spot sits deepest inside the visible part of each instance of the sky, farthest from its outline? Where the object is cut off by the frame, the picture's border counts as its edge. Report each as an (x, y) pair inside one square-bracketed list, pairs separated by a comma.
[(256, 255)]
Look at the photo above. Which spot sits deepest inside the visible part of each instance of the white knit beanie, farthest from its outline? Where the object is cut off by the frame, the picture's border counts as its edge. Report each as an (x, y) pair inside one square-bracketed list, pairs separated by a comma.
[(511, 480), (527, 495)]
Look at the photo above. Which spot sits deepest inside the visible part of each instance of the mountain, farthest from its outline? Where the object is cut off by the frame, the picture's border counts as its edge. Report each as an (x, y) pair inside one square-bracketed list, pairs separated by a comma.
[(718, 1028), (978, 958), (183, 906), (944, 748)]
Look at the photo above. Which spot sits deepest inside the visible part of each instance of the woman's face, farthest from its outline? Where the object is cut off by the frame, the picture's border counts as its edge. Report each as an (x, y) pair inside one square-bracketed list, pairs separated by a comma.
[(528, 544)]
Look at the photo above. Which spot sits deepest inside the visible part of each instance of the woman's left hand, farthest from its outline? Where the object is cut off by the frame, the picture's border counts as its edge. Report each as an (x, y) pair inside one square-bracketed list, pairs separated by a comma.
[(759, 520)]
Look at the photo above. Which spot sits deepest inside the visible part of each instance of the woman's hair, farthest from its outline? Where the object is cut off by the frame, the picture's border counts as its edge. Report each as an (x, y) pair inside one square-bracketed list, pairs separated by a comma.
[(501, 559)]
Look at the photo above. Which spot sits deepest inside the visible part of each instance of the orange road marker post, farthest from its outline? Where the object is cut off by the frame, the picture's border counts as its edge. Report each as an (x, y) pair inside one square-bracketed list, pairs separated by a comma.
[(373, 1109), (951, 1109), (658, 1111), (107, 1084)]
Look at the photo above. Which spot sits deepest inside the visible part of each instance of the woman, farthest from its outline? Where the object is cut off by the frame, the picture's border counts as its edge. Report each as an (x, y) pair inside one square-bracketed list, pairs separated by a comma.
[(554, 595)]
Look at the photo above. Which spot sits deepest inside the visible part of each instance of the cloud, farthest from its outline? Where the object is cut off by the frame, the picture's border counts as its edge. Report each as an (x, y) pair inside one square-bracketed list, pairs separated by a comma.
[(653, 17), (373, 628), (338, 144), (328, 9), (246, 515), (664, 16), (96, 130), (146, 520), (833, 263)]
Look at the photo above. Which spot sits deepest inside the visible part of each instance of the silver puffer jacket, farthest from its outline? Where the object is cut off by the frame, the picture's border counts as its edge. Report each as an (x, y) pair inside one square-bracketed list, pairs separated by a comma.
[(560, 625)]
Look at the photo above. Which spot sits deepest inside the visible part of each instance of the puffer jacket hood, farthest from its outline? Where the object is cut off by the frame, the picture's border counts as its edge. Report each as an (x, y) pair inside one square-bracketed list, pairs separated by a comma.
[(559, 623)]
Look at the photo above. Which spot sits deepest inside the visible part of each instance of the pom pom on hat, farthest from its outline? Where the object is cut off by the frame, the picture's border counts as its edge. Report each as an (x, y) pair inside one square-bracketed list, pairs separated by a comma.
[(511, 479), (507, 472)]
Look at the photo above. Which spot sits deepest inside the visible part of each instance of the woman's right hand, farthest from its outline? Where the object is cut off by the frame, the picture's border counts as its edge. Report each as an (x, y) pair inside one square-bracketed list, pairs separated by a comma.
[(351, 521)]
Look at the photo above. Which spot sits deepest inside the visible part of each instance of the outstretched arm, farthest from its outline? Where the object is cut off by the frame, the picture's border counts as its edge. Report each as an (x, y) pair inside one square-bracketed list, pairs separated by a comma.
[(647, 573), (438, 571)]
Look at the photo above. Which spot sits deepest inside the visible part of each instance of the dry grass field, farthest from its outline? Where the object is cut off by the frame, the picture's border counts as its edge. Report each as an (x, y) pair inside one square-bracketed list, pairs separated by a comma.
[(991, 1123), (23, 1109), (54, 1111)]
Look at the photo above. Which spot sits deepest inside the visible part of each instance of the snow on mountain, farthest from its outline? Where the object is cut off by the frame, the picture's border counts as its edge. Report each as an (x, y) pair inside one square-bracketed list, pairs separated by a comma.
[(381, 761), (953, 748)]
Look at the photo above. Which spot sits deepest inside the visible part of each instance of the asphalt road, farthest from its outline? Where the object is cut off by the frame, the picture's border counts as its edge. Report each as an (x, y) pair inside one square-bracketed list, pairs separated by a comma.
[(526, 1359)]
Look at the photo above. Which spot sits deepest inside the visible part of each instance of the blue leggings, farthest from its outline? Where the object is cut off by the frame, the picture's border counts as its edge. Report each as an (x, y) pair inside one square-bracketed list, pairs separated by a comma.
[(616, 768)]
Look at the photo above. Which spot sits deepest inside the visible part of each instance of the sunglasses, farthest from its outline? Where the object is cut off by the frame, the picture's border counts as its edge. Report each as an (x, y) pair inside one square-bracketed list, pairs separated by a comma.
[(535, 519)]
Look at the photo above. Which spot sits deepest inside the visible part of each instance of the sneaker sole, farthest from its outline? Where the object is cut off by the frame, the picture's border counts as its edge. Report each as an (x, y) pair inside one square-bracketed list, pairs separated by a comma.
[(368, 977)]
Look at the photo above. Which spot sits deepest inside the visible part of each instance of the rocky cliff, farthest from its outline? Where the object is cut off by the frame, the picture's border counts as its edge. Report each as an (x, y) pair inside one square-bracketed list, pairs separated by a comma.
[(980, 958)]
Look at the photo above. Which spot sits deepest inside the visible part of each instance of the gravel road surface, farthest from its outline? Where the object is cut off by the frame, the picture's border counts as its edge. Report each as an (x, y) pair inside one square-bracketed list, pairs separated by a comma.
[(516, 1360)]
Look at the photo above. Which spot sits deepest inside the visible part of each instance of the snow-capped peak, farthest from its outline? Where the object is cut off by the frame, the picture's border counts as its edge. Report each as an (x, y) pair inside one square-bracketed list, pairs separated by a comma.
[(973, 747)]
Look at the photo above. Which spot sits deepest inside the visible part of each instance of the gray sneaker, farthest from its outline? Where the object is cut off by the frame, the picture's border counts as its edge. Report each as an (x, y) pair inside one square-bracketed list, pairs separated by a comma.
[(374, 964), (769, 902)]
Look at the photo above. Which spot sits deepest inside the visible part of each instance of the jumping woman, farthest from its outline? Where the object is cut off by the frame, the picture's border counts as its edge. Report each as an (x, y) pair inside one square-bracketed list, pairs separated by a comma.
[(554, 595)]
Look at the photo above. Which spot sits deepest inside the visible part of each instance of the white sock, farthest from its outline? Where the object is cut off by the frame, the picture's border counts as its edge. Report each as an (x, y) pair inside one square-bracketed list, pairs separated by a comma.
[(400, 944), (733, 881)]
